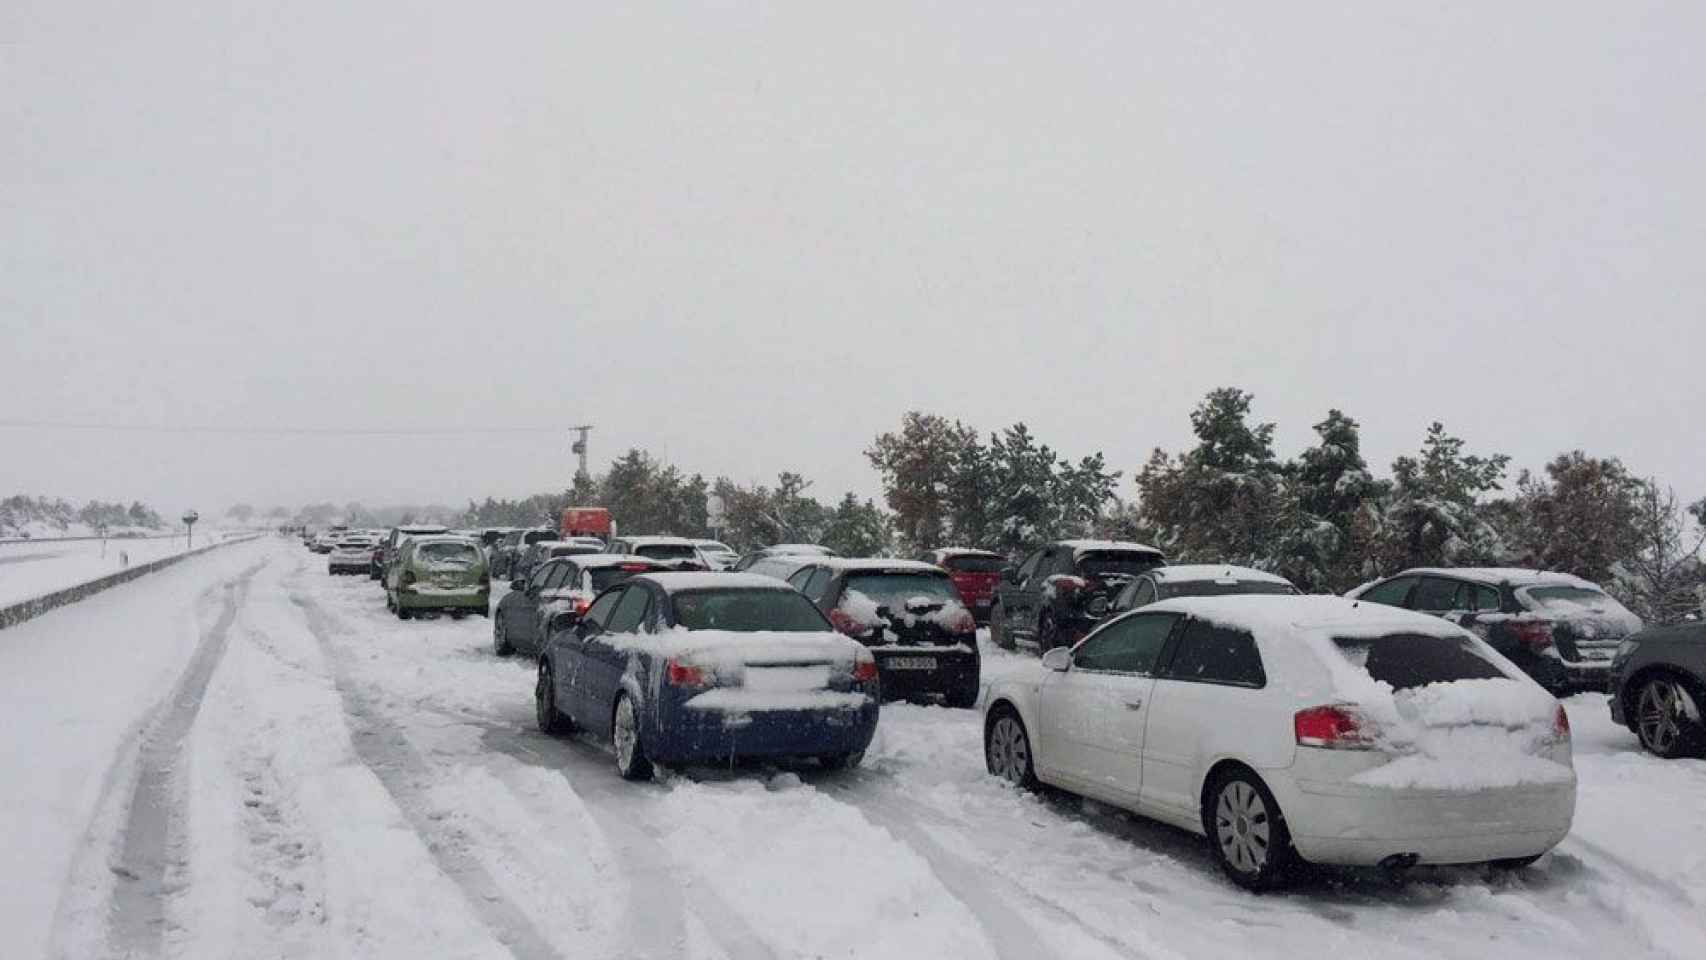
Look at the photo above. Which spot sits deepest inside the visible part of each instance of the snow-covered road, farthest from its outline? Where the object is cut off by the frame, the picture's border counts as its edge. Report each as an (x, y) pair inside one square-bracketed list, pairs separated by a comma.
[(243, 757), (32, 568)]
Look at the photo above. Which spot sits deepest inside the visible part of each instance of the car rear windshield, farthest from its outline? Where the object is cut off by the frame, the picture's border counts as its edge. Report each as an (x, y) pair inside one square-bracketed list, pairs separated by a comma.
[(1218, 588), (448, 554), (1407, 660), (1100, 563), (667, 551), (573, 550), (894, 589), (975, 564), (747, 611), (1566, 600), (534, 536), (605, 577)]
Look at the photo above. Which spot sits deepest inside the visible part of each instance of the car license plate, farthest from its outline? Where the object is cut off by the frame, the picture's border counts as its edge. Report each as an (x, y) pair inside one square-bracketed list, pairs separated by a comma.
[(910, 663), (981, 601)]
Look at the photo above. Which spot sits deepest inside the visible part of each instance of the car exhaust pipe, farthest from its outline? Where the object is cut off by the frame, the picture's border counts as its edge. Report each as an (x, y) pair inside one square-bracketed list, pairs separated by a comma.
[(1400, 861)]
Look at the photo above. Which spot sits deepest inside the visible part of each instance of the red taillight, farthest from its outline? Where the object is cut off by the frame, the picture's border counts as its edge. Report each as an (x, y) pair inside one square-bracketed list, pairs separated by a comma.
[(1533, 634), (1335, 727), (1070, 584), (581, 604), (864, 668), (845, 623), (963, 622), (636, 567), (1561, 724), (679, 674)]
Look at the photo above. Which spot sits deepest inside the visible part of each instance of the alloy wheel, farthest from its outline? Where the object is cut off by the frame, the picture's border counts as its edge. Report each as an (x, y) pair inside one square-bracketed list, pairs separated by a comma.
[(1242, 827), (1009, 751), (1659, 716), (626, 733)]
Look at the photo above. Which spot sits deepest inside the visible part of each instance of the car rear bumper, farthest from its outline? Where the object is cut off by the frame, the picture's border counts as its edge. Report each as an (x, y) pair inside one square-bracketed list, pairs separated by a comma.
[(1570, 675), (1348, 824), (952, 669), (722, 734), (445, 600)]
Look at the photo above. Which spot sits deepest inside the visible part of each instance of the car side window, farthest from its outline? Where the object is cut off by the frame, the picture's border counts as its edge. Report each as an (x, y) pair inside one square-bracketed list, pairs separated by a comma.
[(599, 612), (800, 578), (1143, 593), (536, 582), (819, 583), (1209, 653), (1439, 594), (1129, 645), (1391, 593), (559, 576), (629, 613), (1486, 598)]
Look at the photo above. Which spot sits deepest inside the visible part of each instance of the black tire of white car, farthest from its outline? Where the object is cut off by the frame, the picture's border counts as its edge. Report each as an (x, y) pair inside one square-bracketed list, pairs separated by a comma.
[(500, 639), (1007, 748), (1247, 833), (625, 739), (1046, 632), (551, 721)]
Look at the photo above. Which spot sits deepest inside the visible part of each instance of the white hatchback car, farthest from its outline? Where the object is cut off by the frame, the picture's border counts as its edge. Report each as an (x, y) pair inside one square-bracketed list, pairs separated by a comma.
[(1297, 728)]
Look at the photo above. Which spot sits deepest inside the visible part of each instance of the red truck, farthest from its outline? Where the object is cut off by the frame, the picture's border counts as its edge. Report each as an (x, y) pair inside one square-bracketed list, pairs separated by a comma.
[(975, 573), (586, 522)]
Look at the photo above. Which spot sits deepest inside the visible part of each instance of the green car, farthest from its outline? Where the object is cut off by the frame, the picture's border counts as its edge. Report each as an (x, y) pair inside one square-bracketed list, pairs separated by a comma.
[(435, 574)]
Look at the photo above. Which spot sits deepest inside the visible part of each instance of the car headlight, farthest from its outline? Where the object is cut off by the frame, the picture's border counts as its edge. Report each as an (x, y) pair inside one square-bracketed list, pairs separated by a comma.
[(1626, 648)]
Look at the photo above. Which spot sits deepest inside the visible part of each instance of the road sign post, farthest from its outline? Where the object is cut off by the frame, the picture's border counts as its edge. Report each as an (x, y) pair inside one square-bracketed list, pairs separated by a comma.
[(190, 517)]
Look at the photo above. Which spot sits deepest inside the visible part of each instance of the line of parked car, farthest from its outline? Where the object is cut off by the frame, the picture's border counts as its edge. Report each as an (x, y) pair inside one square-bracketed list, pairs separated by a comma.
[(1411, 721)]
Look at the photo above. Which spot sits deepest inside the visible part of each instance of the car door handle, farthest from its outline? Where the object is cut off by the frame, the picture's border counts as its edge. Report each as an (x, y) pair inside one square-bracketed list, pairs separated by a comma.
[(1136, 704)]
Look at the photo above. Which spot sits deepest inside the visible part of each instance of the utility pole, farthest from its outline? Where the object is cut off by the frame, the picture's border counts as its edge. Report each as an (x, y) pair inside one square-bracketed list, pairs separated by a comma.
[(579, 446)]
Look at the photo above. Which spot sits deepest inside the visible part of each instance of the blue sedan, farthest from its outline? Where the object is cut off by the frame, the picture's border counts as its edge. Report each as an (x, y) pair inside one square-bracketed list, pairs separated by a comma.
[(680, 668)]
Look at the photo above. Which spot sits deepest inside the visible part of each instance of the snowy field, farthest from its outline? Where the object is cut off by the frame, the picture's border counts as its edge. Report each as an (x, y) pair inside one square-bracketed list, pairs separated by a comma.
[(30, 569), (244, 757)]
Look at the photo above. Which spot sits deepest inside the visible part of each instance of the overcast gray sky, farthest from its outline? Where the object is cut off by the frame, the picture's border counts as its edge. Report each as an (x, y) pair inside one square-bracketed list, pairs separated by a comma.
[(749, 237)]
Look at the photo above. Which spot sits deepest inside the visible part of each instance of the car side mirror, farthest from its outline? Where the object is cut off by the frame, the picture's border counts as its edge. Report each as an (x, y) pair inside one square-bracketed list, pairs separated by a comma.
[(518, 584), (585, 628), (563, 620), (1059, 660)]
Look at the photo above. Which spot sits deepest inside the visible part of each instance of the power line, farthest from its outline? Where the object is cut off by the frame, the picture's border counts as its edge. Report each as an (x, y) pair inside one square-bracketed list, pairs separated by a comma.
[(271, 431)]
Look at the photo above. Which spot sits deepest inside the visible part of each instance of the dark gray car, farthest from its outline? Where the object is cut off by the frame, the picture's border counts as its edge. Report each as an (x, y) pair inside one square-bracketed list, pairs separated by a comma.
[(1658, 689)]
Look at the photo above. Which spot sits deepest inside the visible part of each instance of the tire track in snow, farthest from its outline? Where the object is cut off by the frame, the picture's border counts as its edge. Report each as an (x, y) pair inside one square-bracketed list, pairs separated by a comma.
[(383, 747), (147, 865), (989, 895)]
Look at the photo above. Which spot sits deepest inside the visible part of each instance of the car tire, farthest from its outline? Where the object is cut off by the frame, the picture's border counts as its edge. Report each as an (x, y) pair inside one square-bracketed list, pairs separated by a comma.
[(1662, 705), (630, 747), (841, 761), (402, 611), (500, 639), (1007, 748), (1516, 863), (551, 721), (998, 632), (1247, 833)]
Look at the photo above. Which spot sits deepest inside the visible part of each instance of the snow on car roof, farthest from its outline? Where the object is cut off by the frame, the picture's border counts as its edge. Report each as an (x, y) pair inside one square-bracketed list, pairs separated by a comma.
[(443, 538), (946, 552), (589, 561), (875, 563), (1494, 576), (1282, 612), (1080, 546), (809, 549), (650, 540), (702, 580), (1189, 572)]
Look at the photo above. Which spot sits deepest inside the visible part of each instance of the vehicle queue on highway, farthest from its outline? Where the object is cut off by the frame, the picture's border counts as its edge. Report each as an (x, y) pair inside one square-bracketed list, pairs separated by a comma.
[(1413, 721)]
